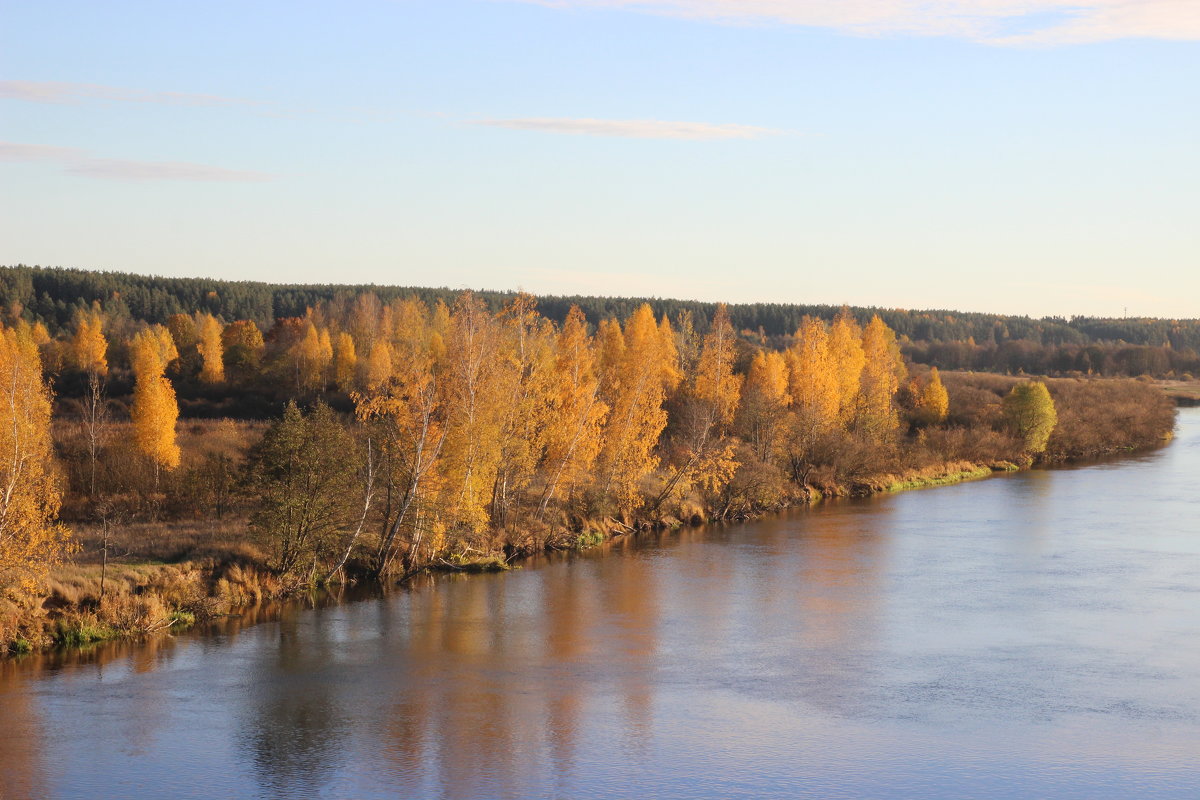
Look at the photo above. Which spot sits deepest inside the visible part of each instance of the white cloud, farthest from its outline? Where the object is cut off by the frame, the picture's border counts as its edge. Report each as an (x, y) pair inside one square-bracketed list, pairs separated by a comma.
[(59, 92), (994, 21), (75, 161), (631, 128)]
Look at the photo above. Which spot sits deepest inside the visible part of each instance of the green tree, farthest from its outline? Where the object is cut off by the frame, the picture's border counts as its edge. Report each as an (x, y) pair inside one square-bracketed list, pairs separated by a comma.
[(1029, 409), (304, 472)]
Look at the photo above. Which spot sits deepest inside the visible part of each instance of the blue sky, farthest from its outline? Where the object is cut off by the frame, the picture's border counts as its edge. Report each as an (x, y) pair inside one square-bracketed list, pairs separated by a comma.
[(1018, 156)]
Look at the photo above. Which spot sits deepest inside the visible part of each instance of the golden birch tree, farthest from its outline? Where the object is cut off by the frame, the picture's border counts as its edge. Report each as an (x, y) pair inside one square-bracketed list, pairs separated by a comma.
[(763, 409), (636, 373), (846, 353), (883, 371), (576, 414), (31, 543), (154, 410), (345, 361), (212, 351)]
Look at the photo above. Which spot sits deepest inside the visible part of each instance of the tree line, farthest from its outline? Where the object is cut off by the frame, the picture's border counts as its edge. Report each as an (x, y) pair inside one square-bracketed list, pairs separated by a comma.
[(53, 296), (410, 433)]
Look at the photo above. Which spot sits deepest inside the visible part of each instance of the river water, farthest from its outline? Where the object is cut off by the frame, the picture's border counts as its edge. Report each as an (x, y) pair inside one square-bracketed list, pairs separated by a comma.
[(1031, 635)]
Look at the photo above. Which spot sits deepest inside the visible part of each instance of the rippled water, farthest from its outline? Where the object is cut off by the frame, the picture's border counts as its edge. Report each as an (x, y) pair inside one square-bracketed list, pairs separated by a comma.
[(1033, 635)]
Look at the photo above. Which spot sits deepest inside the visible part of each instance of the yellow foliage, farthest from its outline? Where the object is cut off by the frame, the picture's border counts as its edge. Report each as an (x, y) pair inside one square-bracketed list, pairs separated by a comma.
[(846, 352), (378, 368), (212, 352), (154, 410), (30, 540), (817, 377), (345, 361), (765, 399), (636, 373), (933, 403), (89, 348), (882, 373), (576, 414)]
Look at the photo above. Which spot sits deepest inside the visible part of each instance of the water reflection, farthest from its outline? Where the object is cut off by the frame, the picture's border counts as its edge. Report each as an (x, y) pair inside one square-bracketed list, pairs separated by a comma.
[(1031, 636)]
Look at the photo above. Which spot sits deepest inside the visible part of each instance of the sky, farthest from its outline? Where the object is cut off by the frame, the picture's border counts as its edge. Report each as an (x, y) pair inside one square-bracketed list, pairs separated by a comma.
[(1014, 156)]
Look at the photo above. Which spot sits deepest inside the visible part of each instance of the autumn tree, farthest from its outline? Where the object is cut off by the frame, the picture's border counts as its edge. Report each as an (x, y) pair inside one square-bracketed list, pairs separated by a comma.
[(576, 414), (933, 401), (243, 345), (638, 366), (345, 361), (818, 387), (89, 351), (406, 414), (706, 414), (472, 390), (1029, 410), (848, 359), (883, 370), (524, 371), (211, 349), (311, 355), (763, 408), (154, 410), (30, 540)]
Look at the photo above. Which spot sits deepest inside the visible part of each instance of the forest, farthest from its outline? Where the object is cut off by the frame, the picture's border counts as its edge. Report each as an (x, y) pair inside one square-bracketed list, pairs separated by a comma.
[(942, 338), (161, 469)]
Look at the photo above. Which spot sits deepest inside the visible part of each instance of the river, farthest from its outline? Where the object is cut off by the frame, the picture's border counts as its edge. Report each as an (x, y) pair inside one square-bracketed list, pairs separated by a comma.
[(1030, 635)]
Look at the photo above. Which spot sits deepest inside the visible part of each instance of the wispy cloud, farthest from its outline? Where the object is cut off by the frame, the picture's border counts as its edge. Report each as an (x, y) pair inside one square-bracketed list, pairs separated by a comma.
[(63, 93), (631, 128), (992, 21), (75, 161)]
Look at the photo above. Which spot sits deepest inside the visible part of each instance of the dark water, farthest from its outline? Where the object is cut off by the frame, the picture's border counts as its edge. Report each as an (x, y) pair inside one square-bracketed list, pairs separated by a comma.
[(1035, 635)]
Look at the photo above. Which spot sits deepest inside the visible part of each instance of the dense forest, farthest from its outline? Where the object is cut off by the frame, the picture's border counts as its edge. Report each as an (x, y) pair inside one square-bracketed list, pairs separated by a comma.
[(368, 438), (942, 338)]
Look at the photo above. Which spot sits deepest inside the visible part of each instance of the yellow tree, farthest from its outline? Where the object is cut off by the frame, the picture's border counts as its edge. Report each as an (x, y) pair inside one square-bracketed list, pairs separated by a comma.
[(883, 371), (212, 351), (378, 367), (405, 410), (933, 401), (89, 352), (473, 393), (524, 367), (763, 408), (573, 426), (345, 361), (310, 357), (707, 411), (243, 343), (636, 373), (30, 540), (846, 353), (89, 348), (154, 411), (817, 393)]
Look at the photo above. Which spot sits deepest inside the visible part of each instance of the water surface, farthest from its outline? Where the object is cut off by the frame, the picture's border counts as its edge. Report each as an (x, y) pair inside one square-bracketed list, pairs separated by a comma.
[(1032, 635)]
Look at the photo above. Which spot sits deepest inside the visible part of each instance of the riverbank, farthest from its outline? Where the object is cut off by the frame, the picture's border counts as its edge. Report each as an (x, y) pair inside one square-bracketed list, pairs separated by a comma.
[(140, 577)]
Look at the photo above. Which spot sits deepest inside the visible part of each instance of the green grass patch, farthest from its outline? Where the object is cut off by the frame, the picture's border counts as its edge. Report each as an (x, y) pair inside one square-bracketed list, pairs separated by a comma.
[(77, 632), (940, 480), (588, 539)]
